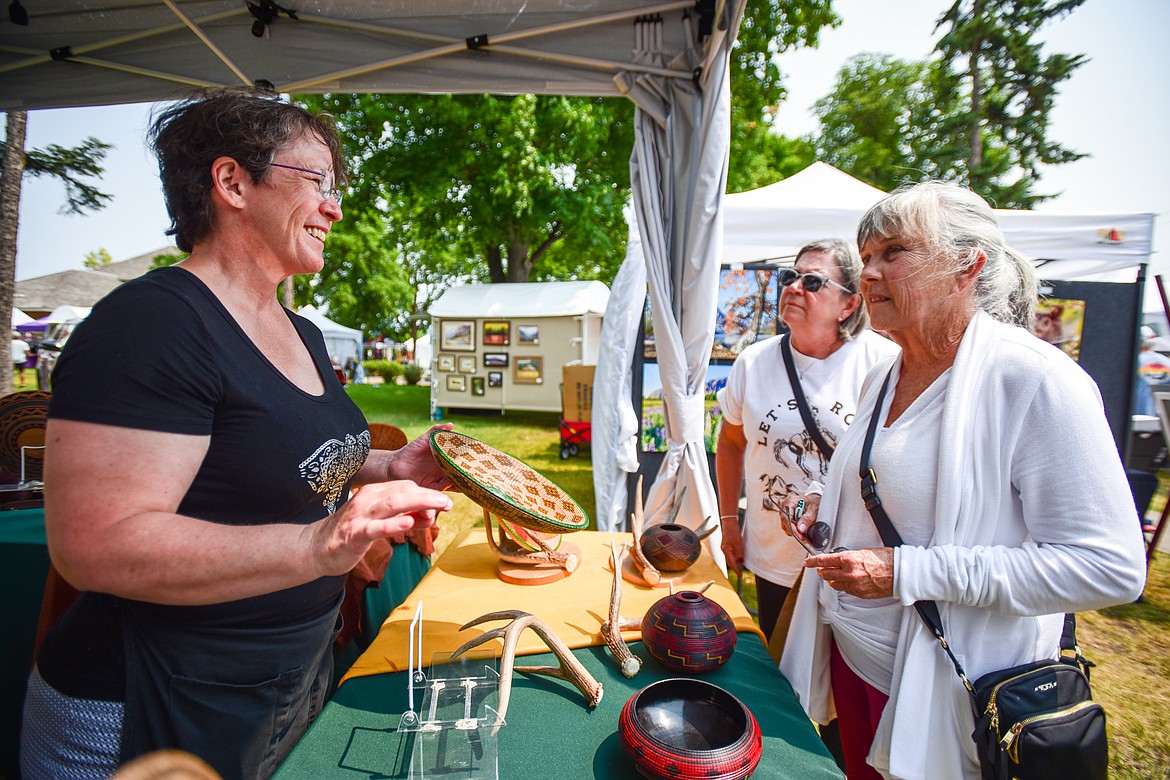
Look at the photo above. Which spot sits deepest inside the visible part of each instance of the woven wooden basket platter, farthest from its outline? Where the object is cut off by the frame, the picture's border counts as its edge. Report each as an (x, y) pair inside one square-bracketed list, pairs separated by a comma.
[(505, 486)]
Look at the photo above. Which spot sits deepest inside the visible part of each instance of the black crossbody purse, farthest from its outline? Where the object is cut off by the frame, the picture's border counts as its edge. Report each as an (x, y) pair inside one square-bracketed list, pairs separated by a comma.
[(1035, 721)]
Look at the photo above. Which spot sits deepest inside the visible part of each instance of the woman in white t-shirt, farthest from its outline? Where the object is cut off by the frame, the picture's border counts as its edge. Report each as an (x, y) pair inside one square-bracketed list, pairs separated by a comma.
[(764, 441)]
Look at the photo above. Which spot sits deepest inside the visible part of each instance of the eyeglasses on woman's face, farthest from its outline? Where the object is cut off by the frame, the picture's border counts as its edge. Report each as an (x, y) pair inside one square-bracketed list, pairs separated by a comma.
[(325, 184), (810, 281)]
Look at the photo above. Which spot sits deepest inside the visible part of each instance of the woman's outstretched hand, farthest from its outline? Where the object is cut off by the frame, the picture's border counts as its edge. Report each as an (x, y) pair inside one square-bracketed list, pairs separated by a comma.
[(867, 574)]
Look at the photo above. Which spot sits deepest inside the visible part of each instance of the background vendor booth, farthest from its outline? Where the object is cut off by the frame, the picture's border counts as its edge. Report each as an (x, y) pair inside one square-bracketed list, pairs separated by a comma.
[(1092, 267), (504, 346)]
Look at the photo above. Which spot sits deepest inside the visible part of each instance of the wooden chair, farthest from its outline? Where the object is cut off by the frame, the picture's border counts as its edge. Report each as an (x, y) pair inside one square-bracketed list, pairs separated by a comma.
[(384, 436)]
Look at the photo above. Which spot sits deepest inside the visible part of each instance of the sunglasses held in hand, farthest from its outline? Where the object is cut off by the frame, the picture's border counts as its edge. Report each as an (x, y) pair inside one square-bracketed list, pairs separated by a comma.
[(818, 534)]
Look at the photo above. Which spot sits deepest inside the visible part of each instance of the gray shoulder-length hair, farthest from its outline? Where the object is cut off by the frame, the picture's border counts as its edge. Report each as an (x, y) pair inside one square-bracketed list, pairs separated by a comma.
[(956, 224), (848, 263)]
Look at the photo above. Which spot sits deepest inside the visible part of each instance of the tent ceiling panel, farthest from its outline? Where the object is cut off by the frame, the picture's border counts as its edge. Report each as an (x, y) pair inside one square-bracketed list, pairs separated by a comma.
[(118, 51)]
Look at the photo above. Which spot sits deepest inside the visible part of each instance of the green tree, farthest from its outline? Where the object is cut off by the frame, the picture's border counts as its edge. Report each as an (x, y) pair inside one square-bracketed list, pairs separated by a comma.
[(994, 66), (760, 155), (881, 122), (97, 259), (71, 165)]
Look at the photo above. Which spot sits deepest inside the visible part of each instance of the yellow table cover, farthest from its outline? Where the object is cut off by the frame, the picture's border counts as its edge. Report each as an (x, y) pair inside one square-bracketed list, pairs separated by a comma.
[(462, 585)]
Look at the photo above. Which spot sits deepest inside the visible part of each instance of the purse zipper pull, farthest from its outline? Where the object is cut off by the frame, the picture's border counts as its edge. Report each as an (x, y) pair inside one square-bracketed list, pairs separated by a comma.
[(1009, 744)]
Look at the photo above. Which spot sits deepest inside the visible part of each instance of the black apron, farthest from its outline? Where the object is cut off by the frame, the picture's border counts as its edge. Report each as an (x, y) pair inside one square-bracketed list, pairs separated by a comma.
[(239, 697)]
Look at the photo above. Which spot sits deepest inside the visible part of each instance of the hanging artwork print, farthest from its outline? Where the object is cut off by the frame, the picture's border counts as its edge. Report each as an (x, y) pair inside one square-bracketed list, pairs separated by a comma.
[(527, 371), (747, 310), (457, 335), (495, 379), (477, 385), (653, 412), (1060, 321), (528, 334), (497, 333)]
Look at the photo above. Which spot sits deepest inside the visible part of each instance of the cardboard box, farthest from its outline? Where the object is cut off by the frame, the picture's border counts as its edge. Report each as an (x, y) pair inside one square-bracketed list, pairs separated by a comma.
[(577, 392)]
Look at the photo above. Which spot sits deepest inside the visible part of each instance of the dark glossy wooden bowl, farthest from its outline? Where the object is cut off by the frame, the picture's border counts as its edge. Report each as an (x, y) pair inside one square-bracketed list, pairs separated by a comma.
[(686, 728)]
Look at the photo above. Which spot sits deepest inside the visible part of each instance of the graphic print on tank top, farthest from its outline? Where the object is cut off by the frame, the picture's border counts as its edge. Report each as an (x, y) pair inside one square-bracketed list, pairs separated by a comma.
[(333, 465)]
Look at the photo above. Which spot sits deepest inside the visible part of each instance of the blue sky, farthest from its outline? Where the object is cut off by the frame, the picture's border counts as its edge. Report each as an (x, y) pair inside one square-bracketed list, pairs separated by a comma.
[(1116, 108)]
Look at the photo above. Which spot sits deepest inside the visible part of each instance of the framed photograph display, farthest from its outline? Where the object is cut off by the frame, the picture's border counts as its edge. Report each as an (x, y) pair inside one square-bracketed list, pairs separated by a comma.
[(528, 334), (446, 362), (495, 360), (477, 385), (497, 333), (495, 379), (528, 371), (457, 383), (458, 335), (467, 364)]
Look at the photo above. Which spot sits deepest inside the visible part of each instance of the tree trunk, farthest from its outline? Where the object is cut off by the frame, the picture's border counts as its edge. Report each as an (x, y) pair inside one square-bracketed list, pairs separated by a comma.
[(286, 293), (13, 171), (495, 261)]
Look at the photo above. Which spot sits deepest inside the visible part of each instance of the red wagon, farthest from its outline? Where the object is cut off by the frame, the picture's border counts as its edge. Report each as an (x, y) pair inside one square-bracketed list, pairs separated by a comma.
[(573, 435)]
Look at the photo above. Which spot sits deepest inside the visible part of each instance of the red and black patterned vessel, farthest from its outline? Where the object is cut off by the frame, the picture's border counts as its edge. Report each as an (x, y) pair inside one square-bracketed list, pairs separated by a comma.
[(685, 728), (670, 547), (688, 632)]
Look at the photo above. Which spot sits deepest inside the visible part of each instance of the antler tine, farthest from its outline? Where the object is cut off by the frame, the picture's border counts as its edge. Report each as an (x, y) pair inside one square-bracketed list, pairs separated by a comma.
[(630, 664), (570, 669), (637, 523), (510, 614)]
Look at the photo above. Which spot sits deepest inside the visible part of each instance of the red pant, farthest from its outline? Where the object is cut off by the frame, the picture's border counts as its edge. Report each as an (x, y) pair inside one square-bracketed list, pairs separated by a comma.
[(859, 708)]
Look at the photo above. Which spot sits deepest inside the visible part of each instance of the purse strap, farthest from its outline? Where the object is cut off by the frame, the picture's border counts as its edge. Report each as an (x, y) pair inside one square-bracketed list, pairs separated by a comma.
[(810, 424), (928, 610)]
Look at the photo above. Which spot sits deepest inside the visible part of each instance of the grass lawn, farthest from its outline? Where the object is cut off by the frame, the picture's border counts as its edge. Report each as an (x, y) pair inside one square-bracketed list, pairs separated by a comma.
[(1130, 644)]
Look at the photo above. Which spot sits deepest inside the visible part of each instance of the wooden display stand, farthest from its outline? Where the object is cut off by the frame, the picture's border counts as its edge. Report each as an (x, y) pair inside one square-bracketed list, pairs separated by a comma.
[(521, 566)]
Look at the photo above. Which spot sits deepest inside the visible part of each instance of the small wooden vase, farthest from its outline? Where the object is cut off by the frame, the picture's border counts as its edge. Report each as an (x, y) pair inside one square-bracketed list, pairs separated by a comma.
[(670, 547), (688, 632)]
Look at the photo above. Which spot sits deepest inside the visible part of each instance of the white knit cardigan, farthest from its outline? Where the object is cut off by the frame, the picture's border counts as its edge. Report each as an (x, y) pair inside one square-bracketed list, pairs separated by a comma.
[(1034, 518)]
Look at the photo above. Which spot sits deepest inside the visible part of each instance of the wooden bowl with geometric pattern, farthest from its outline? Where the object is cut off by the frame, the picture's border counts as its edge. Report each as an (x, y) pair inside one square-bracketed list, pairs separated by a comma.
[(505, 486)]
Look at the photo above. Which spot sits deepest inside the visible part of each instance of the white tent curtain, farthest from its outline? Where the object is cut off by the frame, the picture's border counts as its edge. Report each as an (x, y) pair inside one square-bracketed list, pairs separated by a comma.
[(615, 423), (678, 174)]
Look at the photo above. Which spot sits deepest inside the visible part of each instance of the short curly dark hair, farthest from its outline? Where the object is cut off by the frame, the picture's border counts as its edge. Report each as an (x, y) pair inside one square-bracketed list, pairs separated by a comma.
[(249, 126)]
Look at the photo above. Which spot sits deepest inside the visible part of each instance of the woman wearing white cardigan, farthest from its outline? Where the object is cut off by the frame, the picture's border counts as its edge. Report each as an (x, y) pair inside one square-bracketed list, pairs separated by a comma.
[(997, 467)]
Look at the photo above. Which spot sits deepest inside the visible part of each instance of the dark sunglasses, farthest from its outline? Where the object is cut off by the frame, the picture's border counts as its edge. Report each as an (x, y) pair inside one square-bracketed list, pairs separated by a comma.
[(818, 534), (810, 281)]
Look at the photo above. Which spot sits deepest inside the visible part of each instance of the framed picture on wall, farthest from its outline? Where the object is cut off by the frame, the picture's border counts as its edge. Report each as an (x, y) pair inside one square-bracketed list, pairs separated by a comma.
[(495, 379), (457, 383), (495, 359), (457, 335), (528, 334), (477, 385), (467, 364), (528, 371), (497, 333), (446, 362)]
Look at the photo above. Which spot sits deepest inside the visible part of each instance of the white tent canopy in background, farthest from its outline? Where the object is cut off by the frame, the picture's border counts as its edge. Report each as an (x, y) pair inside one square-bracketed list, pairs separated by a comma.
[(341, 342), (19, 317), (534, 299), (65, 312), (773, 222)]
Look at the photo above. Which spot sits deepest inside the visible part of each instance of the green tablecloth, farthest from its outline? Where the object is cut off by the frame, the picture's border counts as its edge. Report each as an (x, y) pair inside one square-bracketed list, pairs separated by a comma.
[(550, 733), (24, 564)]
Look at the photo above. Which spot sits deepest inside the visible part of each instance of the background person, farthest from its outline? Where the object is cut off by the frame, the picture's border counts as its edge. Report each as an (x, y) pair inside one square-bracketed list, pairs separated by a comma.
[(200, 453), (763, 434), (995, 463), (20, 352)]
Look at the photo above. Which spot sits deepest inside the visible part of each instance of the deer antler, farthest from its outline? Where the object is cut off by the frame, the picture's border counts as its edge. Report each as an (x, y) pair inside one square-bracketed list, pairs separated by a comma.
[(637, 521), (570, 668), (611, 629), (567, 561)]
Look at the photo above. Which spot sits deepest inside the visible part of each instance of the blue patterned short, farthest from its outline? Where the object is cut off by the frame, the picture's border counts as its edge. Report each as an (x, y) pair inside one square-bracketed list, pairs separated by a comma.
[(68, 739)]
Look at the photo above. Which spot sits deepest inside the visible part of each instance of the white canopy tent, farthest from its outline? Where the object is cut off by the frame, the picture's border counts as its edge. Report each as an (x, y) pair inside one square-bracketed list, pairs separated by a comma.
[(342, 343), (669, 58), (65, 312)]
